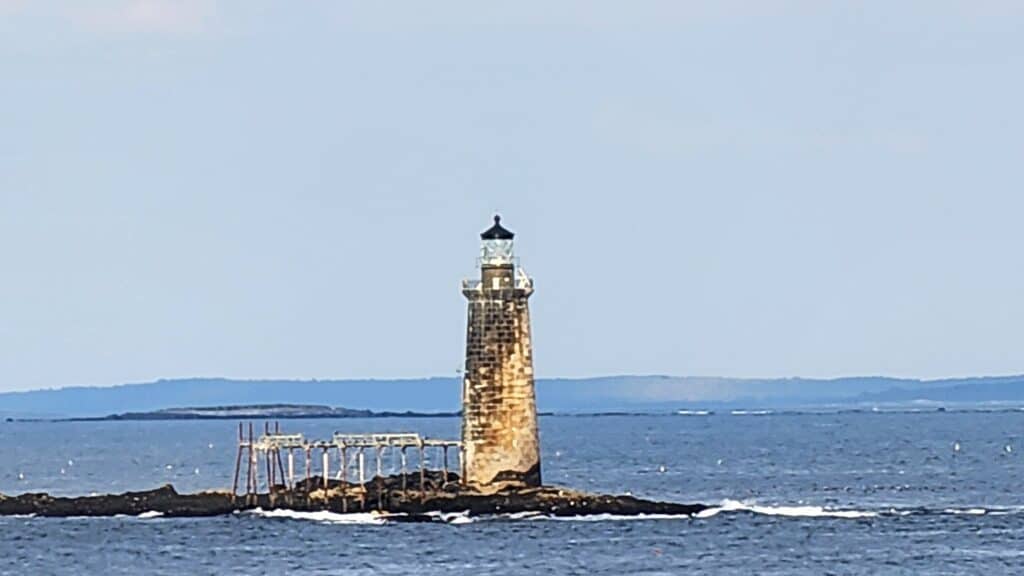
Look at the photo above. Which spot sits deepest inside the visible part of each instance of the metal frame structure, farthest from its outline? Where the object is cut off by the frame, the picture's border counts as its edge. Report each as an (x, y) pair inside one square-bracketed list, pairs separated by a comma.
[(271, 445)]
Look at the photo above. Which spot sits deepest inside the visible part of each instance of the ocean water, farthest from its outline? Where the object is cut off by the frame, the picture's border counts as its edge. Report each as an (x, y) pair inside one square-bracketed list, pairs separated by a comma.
[(794, 493)]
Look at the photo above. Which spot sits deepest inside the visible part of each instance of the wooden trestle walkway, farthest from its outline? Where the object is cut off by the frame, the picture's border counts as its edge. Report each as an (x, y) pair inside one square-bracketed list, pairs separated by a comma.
[(280, 476)]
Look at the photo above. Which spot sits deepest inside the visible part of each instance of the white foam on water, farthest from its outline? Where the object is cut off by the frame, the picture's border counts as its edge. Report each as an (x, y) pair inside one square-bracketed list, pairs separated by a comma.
[(322, 516), (452, 517), (966, 511), (725, 507), (459, 519), (612, 517), (693, 412), (150, 514), (464, 518), (786, 511), (524, 516), (751, 412)]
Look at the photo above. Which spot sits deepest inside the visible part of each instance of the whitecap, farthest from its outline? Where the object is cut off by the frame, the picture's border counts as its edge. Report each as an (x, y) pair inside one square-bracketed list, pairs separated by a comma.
[(452, 517), (787, 511), (457, 518), (529, 515), (150, 514), (617, 517), (966, 511), (322, 516)]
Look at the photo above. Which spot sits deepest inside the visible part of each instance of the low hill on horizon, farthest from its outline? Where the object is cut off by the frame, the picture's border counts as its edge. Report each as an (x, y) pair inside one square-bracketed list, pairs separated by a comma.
[(599, 394)]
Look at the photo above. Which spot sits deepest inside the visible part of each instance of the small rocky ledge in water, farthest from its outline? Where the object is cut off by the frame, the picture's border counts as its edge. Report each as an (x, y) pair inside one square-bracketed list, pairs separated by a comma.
[(393, 495)]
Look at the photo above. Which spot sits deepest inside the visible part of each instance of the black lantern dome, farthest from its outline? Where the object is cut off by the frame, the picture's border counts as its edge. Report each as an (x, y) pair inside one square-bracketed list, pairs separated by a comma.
[(497, 232)]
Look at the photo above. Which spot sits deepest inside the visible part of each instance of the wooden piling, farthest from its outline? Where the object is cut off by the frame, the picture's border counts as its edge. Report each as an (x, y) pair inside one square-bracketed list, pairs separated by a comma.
[(251, 476), (362, 479), (423, 476), (405, 474), (280, 465), (362, 467), (380, 479), (444, 468), (291, 469), (308, 480), (273, 470), (326, 468), (238, 463), (270, 469), (344, 479)]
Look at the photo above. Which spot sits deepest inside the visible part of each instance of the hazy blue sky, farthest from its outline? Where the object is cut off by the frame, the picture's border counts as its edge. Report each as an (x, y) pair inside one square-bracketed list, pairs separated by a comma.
[(281, 189)]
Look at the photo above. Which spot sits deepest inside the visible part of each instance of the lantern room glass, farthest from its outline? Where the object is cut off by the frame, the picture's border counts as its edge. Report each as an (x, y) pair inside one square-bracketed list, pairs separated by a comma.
[(496, 253)]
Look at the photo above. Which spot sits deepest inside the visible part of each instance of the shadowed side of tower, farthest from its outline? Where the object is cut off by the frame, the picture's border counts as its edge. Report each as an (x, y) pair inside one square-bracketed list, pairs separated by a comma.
[(499, 423)]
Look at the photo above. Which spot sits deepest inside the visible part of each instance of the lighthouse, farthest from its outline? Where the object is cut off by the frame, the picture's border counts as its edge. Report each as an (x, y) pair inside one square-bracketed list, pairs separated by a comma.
[(499, 408)]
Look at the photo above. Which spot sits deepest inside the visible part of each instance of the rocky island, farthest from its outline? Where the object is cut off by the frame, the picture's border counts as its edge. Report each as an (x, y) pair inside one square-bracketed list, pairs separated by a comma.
[(388, 496)]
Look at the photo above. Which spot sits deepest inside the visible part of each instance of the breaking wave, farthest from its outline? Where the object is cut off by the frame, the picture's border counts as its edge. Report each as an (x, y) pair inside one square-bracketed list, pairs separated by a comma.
[(787, 511), (725, 507), (967, 511), (452, 517), (733, 506), (322, 516)]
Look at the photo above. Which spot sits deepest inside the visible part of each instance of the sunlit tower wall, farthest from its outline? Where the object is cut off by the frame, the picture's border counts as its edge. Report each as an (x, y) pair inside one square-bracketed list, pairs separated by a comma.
[(499, 424)]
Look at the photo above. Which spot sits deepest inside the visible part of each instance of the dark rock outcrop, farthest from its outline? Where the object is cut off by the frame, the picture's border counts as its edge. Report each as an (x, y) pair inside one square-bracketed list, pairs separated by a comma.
[(164, 499), (388, 495)]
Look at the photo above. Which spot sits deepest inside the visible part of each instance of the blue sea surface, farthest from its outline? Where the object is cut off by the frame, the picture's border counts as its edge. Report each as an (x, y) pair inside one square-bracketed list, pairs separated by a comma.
[(795, 493)]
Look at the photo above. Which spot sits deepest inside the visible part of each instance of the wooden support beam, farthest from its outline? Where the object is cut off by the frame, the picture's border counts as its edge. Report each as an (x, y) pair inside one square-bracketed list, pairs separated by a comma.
[(405, 487), (280, 466), (423, 476), (362, 479), (270, 471), (343, 466), (326, 467), (380, 479), (344, 479), (238, 463), (291, 469), (273, 468), (251, 478), (444, 480), (308, 464)]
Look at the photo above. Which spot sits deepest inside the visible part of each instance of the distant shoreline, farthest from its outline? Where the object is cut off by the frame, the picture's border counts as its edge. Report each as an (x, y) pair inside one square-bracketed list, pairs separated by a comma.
[(256, 412), (440, 396), (155, 417), (892, 409)]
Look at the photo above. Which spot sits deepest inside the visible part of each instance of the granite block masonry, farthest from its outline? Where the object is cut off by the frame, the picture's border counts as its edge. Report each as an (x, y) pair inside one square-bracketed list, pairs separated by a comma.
[(500, 442)]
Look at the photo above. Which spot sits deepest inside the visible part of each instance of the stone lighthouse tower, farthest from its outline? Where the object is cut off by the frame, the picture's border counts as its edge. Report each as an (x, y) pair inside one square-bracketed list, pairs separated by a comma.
[(499, 422)]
